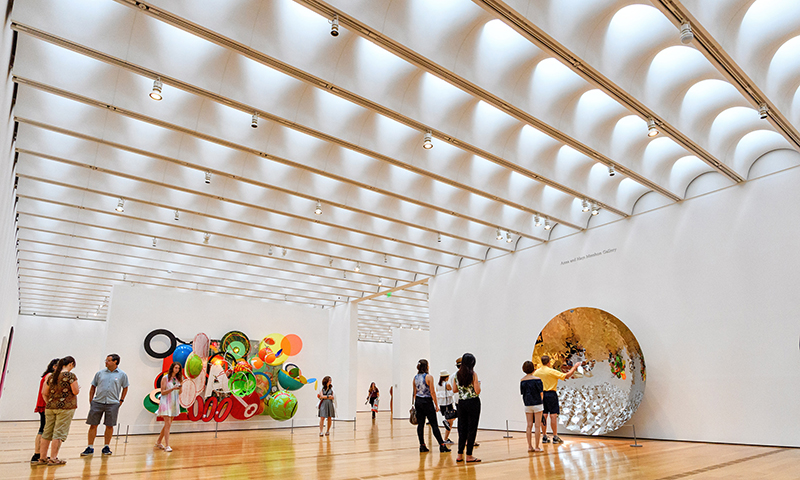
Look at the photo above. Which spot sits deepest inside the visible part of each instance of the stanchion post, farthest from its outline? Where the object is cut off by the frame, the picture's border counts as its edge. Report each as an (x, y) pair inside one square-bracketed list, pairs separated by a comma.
[(127, 431), (507, 435), (292, 426), (119, 427), (216, 428), (635, 442)]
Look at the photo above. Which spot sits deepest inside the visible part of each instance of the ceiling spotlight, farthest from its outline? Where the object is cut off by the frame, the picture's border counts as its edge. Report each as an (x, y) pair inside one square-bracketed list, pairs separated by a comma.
[(508, 237), (335, 26), (208, 177), (385, 258), (344, 273), (154, 241), (585, 205), (763, 111), (537, 222), (439, 238), (120, 205), (270, 250), (652, 129), (611, 171), (357, 267), (330, 262), (595, 209), (427, 142), (156, 93), (499, 234), (318, 210), (206, 238), (547, 225), (380, 282), (686, 34), (254, 121), (284, 252), (177, 215)]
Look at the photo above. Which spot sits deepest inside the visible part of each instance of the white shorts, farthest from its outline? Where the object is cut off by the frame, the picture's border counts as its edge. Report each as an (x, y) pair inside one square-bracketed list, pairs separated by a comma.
[(534, 408)]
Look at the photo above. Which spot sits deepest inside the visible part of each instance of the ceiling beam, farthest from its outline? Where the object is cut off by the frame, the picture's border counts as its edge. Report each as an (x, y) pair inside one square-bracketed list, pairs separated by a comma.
[(320, 83), (461, 83), (250, 109)]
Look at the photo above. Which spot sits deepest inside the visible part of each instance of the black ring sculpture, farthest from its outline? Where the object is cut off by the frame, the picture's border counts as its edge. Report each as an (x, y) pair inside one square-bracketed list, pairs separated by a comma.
[(173, 342)]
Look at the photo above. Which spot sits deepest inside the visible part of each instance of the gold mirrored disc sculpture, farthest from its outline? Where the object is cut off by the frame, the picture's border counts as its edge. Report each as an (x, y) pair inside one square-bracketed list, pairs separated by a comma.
[(604, 393)]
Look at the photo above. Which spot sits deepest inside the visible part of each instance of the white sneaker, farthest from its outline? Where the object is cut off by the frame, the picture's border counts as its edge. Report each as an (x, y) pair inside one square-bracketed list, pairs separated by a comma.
[(168, 449)]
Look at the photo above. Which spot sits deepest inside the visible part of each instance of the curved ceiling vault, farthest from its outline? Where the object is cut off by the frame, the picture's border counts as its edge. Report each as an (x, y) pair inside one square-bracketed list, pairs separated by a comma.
[(530, 106)]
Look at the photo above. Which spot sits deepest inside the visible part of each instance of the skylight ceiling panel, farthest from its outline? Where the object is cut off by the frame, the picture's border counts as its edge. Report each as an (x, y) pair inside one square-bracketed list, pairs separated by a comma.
[(132, 133), (49, 193), (31, 207), (177, 53), (41, 168), (41, 140), (770, 58), (84, 22), (37, 105), (733, 22), (65, 69)]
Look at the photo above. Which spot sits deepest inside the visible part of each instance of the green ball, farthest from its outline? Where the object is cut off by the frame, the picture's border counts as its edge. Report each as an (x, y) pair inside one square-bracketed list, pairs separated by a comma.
[(282, 405), (194, 366)]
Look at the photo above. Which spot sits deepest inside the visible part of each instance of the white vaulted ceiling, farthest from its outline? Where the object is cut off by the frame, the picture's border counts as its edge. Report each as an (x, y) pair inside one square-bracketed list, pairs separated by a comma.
[(529, 104)]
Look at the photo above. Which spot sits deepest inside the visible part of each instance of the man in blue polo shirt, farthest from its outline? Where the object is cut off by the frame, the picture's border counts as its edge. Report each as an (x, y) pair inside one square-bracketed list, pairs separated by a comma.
[(108, 391)]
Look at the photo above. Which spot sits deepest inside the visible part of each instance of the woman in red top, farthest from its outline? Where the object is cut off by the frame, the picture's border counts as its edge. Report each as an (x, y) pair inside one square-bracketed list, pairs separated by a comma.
[(40, 404)]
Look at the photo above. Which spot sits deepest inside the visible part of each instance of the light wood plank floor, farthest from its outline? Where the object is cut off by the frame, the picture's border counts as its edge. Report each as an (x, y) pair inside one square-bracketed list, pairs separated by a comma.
[(388, 450)]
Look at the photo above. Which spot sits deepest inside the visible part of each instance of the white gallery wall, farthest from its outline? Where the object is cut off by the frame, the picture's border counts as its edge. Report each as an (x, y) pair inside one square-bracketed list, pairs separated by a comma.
[(408, 347), (37, 340), (9, 293), (708, 287), (137, 310), (374, 365), (342, 361)]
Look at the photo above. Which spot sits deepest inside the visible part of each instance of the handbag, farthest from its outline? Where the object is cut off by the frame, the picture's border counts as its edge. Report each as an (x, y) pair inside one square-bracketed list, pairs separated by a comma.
[(413, 416)]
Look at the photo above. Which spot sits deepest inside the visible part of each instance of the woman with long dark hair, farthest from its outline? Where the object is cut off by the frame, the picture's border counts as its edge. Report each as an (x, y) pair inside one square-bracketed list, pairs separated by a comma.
[(169, 405), (372, 398), (61, 392), (41, 403), (469, 407), (426, 406), (326, 407)]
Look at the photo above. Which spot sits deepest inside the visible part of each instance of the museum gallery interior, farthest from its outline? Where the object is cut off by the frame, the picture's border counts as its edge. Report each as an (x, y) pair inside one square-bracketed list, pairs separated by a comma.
[(272, 192)]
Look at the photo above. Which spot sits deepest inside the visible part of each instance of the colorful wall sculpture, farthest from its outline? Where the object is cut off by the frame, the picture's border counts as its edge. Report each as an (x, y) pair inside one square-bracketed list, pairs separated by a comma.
[(231, 377)]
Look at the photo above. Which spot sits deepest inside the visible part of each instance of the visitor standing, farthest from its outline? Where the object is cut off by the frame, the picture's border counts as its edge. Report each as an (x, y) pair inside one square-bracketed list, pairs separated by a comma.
[(326, 406), (61, 392), (169, 405), (531, 389), (550, 378), (108, 391), (444, 394), (426, 406), (41, 403), (372, 398), (469, 407)]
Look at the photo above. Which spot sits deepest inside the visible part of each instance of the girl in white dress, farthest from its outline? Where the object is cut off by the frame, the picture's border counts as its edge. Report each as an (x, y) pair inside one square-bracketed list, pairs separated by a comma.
[(169, 405)]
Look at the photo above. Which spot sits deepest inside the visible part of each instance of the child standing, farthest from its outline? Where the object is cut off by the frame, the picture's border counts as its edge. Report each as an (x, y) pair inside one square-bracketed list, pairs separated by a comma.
[(532, 391)]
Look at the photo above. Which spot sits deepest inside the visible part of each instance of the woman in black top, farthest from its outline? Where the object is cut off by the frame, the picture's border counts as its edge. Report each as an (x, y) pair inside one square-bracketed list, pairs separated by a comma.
[(532, 392)]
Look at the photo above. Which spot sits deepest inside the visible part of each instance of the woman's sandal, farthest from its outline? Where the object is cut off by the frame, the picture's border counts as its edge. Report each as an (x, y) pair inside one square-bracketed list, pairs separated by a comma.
[(56, 461), (459, 460), (474, 460), (159, 446)]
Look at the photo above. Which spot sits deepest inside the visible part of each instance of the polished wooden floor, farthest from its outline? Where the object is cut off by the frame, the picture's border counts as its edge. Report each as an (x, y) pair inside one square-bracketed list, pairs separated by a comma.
[(386, 449)]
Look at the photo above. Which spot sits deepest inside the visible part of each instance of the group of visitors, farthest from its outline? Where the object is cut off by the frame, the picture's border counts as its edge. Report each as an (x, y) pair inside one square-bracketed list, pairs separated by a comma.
[(57, 401), (466, 388), (461, 399)]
